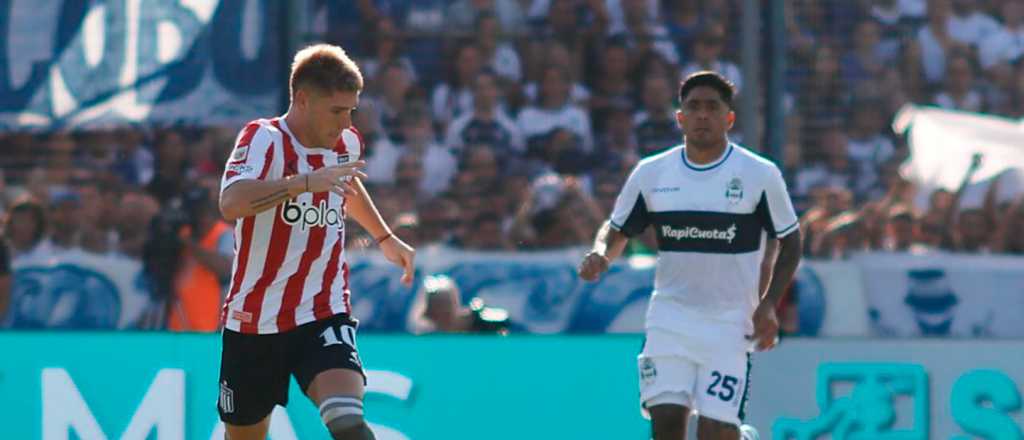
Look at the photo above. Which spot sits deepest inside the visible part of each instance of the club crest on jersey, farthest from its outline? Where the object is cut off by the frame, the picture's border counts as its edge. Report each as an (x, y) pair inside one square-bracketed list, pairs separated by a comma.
[(734, 191), (307, 216), (647, 371)]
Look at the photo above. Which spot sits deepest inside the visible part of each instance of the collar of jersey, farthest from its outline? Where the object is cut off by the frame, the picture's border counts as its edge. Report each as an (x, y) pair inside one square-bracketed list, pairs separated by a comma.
[(710, 166), (295, 141)]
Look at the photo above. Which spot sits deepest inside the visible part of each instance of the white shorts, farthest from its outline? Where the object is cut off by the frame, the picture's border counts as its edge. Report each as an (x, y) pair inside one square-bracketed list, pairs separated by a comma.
[(714, 383)]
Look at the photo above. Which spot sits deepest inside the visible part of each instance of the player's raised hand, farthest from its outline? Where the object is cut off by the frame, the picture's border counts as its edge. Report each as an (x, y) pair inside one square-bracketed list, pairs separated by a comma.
[(335, 178), (402, 255), (593, 265), (766, 327)]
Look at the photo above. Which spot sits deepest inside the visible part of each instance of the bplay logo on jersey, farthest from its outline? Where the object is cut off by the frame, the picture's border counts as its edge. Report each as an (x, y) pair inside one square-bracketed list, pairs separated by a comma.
[(307, 216), (695, 233)]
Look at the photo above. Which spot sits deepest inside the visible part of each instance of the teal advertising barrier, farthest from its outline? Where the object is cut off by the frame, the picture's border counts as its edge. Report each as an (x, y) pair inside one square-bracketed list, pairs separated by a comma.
[(882, 389), (135, 386), (164, 386)]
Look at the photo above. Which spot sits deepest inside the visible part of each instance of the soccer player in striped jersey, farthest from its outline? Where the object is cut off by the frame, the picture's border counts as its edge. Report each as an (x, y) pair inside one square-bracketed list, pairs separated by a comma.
[(289, 184), (713, 205)]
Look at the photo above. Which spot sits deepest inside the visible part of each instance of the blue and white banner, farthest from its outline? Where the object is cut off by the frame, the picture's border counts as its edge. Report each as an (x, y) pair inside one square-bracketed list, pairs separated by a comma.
[(540, 290), (81, 63), (77, 290), (948, 295), (898, 295), (873, 294)]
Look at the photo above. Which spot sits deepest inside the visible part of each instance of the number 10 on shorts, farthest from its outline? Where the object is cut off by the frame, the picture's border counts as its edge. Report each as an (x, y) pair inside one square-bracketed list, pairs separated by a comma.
[(722, 386), (346, 333)]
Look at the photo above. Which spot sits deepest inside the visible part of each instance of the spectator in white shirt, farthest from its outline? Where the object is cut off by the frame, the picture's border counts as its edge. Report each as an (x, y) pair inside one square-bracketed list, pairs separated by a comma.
[(386, 43), (557, 54), (865, 62), (1007, 44), (463, 13), (969, 24), (937, 39), (438, 163), (832, 168), (390, 97), (619, 10), (959, 92), (487, 123), (495, 52), (656, 126), (869, 148), (641, 29), (455, 97), (554, 110), (707, 53)]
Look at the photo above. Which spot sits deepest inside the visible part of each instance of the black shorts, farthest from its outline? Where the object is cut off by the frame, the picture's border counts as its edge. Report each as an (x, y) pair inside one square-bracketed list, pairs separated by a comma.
[(255, 369)]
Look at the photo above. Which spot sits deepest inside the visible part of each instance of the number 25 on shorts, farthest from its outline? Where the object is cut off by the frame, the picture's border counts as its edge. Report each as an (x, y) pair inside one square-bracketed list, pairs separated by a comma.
[(722, 386)]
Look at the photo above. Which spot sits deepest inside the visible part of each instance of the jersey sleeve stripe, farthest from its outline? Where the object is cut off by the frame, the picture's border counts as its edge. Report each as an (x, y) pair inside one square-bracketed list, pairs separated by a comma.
[(248, 133), (314, 247), (638, 219), (785, 231), (268, 159)]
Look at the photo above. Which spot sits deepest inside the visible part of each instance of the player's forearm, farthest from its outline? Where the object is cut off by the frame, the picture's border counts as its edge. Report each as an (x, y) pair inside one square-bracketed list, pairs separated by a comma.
[(767, 266), (785, 266), (362, 209), (250, 197), (610, 242)]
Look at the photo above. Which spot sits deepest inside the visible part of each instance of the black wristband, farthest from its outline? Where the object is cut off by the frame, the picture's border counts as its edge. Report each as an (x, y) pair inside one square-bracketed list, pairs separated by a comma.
[(381, 240)]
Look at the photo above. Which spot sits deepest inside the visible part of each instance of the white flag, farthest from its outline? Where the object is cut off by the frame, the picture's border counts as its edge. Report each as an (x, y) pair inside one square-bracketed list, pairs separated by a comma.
[(942, 143)]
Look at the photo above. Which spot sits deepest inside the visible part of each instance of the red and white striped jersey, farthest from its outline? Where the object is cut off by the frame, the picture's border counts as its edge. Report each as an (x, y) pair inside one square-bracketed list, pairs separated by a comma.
[(289, 266)]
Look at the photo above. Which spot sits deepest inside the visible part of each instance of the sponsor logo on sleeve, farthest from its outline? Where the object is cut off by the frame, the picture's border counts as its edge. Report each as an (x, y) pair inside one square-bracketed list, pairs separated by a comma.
[(240, 154)]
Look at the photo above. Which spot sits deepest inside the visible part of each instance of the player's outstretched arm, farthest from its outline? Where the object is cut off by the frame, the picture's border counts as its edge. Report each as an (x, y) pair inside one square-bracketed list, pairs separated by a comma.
[(246, 198), (766, 323), (362, 209), (608, 245)]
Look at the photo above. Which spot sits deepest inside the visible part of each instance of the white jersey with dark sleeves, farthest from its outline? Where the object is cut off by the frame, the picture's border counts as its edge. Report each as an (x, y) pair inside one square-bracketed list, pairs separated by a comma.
[(711, 223)]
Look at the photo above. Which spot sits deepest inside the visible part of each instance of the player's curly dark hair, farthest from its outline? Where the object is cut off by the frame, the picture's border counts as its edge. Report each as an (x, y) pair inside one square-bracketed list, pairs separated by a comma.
[(707, 78)]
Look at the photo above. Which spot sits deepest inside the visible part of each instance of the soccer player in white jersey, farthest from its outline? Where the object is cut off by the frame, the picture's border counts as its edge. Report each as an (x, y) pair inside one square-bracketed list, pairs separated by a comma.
[(713, 205), (289, 184)]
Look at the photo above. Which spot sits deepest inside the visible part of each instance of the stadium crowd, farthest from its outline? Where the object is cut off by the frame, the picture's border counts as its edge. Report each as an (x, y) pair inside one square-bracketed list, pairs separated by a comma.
[(511, 124)]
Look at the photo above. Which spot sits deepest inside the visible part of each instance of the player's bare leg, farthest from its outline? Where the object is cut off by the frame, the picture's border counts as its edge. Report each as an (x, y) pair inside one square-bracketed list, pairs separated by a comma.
[(338, 393), (668, 421), (711, 429), (257, 431)]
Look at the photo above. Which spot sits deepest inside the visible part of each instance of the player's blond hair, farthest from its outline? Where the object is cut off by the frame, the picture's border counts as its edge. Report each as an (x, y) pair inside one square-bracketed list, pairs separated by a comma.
[(326, 68)]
